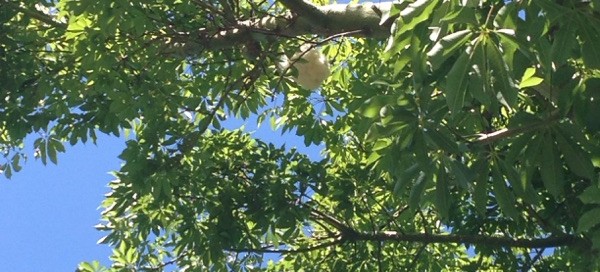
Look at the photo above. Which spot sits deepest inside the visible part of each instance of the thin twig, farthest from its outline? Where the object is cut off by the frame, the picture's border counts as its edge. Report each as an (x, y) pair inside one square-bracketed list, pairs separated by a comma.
[(491, 137)]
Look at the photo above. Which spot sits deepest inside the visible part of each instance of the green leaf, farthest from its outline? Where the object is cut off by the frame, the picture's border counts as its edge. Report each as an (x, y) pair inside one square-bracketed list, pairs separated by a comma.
[(590, 38), (513, 178), (7, 170), (577, 159), (446, 46), (456, 84), (506, 17), (91, 267), (85, 267), (417, 191), (442, 140), (373, 157), (551, 168), (480, 193), (442, 193), (464, 15), (563, 43), (43, 154), (504, 197), (552, 9), (517, 147), (403, 178), (595, 240), (381, 144), (52, 154), (415, 13), (529, 72), (479, 80), (588, 220), (373, 105), (392, 11), (503, 81), (508, 39), (528, 80), (461, 173), (591, 195), (15, 162)]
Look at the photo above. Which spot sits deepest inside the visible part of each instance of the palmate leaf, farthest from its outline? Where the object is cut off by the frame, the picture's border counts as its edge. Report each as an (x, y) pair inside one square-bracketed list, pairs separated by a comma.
[(529, 80), (504, 197), (480, 190), (590, 36), (410, 17), (446, 46), (504, 83), (576, 158), (416, 13), (551, 168), (552, 9), (456, 83), (591, 195), (563, 44), (417, 190), (442, 193), (476, 64), (372, 107), (588, 220), (479, 80)]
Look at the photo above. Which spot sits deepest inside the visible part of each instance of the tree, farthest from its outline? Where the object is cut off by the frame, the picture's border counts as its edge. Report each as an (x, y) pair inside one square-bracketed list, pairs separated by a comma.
[(458, 134)]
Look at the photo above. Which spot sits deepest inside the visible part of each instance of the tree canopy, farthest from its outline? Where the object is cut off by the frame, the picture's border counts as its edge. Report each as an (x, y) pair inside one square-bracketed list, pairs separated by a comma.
[(456, 135)]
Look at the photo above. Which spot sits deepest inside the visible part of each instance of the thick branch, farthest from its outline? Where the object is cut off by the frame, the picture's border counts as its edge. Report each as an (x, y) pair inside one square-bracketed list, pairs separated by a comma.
[(309, 11), (494, 241), (359, 19), (347, 233), (392, 236), (35, 15)]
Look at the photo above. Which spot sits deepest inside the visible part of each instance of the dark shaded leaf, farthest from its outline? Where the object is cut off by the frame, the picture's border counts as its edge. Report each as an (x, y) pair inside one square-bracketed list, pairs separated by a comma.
[(551, 168), (588, 220)]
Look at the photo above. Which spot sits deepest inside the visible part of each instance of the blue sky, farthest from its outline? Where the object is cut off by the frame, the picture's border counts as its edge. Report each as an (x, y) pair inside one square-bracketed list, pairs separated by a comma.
[(47, 213)]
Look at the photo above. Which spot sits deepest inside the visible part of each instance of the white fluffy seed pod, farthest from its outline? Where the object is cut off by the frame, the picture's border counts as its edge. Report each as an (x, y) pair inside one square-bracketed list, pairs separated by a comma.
[(311, 64)]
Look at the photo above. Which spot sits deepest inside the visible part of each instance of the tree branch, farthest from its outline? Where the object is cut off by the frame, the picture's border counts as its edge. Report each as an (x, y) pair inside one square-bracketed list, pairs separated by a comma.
[(268, 249), (310, 12), (357, 19), (509, 132), (349, 234), (494, 241), (506, 242), (36, 15)]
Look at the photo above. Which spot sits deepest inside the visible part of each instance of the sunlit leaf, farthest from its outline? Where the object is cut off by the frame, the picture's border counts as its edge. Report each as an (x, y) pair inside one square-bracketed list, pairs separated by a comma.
[(528, 80), (446, 46)]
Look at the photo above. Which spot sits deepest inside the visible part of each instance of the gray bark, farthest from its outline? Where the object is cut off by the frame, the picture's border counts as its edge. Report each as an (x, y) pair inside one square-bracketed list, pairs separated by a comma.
[(302, 18)]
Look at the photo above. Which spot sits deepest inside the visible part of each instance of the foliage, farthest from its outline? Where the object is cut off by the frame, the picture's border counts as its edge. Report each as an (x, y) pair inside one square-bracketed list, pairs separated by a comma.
[(468, 139)]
